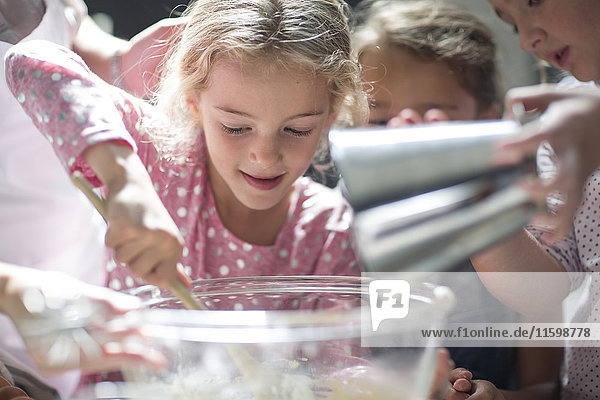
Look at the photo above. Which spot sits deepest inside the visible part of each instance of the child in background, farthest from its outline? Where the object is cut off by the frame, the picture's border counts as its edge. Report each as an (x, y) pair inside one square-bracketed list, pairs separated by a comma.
[(421, 63), (248, 92), (428, 61), (565, 33)]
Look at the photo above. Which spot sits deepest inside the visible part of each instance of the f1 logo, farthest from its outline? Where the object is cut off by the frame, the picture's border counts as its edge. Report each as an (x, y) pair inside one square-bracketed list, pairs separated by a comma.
[(389, 299)]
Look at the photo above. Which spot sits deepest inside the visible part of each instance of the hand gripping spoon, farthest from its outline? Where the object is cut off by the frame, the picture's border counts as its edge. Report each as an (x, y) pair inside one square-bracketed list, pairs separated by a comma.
[(265, 383)]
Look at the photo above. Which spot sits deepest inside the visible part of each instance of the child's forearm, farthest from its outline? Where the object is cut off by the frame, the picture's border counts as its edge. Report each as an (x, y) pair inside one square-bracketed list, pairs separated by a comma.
[(522, 274), (519, 253), (97, 48), (132, 64), (116, 164)]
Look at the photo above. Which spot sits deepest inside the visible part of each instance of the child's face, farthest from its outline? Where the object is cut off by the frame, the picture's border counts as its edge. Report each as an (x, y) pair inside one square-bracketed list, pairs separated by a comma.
[(262, 127), (565, 33), (402, 81)]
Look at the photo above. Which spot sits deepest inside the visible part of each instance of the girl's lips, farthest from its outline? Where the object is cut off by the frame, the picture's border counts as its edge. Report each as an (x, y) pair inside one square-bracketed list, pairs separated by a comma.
[(560, 57), (262, 183)]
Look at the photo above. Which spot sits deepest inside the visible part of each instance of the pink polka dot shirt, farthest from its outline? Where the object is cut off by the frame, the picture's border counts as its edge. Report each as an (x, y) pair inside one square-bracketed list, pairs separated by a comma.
[(74, 109), (579, 252)]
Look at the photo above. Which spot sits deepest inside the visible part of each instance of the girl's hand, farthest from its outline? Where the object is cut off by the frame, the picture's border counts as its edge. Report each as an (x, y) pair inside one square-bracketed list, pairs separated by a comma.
[(570, 123), (143, 234), (140, 229), (68, 324)]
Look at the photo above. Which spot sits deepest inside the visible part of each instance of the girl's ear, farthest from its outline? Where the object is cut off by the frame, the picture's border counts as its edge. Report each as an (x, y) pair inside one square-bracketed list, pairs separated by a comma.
[(193, 108)]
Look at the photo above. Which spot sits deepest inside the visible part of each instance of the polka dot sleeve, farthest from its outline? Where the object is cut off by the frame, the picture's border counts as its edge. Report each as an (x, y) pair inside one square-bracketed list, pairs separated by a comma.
[(71, 106), (566, 251)]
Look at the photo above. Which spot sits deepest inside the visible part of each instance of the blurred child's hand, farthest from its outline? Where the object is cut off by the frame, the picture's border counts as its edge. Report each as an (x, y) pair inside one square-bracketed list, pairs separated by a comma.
[(569, 123), (463, 386), (480, 390), (441, 387), (460, 379), (140, 229), (68, 324)]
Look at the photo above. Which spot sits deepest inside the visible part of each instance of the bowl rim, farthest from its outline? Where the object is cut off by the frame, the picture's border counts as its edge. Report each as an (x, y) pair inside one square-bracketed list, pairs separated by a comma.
[(273, 325)]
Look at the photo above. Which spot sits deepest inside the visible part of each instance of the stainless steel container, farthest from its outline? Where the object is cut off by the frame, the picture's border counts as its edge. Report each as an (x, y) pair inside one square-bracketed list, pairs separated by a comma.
[(429, 196), (380, 164)]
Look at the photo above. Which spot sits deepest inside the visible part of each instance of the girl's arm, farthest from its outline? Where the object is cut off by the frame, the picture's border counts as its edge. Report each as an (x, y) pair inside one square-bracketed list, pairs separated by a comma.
[(133, 64), (523, 275), (140, 230), (82, 116)]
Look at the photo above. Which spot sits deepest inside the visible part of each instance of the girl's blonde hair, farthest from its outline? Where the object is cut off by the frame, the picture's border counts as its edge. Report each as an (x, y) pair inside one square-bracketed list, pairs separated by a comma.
[(435, 31), (310, 35)]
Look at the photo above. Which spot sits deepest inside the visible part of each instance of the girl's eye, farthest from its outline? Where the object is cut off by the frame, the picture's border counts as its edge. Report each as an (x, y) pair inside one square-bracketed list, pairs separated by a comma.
[(378, 122), (233, 131), (532, 3), (297, 132)]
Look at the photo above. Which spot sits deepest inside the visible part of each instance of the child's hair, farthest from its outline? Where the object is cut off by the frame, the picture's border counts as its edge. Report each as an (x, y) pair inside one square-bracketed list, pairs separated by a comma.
[(434, 31), (305, 35)]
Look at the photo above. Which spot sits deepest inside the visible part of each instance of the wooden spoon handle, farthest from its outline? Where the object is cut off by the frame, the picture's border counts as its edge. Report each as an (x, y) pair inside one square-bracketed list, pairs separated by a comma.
[(178, 288)]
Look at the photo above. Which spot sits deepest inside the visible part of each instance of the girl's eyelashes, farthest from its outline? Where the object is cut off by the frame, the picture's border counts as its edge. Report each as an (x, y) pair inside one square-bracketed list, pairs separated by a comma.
[(298, 132), (242, 130), (233, 131)]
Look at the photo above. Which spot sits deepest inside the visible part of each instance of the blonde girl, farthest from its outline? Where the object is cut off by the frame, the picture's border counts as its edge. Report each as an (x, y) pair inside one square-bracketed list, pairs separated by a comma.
[(207, 182)]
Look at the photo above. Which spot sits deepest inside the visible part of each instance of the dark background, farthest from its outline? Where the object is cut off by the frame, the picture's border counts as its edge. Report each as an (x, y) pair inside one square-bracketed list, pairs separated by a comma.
[(132, 16)]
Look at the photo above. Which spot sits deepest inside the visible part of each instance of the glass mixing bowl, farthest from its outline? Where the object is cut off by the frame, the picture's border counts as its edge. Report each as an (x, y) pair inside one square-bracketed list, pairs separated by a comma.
[(280, 338)]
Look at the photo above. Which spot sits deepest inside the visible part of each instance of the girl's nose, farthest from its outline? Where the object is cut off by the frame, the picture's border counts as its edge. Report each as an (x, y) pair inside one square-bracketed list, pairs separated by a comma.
[(531, 38), (265, 151)]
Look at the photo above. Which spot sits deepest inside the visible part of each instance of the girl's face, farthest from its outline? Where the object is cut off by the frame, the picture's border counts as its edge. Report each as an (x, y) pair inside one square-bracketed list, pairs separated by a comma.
[(565, 33), (262, 127), (399, 81)]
